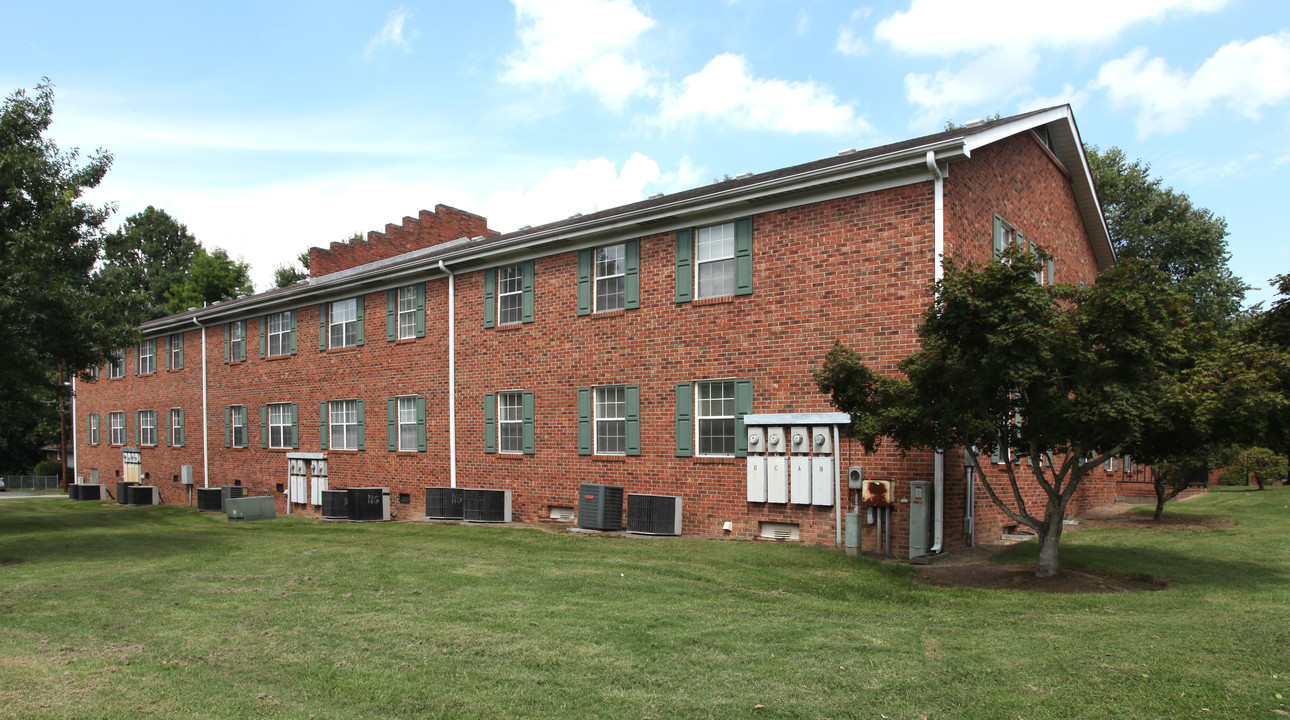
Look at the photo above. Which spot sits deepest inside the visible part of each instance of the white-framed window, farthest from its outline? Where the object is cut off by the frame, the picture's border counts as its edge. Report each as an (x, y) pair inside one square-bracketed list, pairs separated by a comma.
[(611, 277), (1005, 235), (1109, 465), (237, 425), (714, 409), (148, 357), (510, 422), (342, 424), (278, 333), (237, 339), (176, 427), (116, 428), (408, 426), (116, 368), (343, 323), (148, 427), (510, 294), (714, 252), (177, 351), (94, 428), (281, 429), (611, 420), (407, 312)]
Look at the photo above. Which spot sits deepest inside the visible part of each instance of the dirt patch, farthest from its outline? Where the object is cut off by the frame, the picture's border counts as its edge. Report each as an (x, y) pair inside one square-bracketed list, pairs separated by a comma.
[(9, 561), (974, 569)]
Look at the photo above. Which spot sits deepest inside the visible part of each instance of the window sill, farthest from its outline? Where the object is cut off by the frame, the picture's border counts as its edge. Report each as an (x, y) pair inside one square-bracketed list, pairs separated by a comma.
[(715, 460), (276, 358), (405, 341), (345, 452), (606, 315), (609, 458), (408, 453), (511, 455), (508, 326), (713, 300), (342, 350)]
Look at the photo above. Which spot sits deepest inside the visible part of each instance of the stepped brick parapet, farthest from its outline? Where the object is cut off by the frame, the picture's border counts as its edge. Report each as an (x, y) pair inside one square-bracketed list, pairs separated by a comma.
[(415, 233)]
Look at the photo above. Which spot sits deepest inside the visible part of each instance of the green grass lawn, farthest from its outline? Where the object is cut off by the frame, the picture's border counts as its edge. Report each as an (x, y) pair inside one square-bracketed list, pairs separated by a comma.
[(118, 612)]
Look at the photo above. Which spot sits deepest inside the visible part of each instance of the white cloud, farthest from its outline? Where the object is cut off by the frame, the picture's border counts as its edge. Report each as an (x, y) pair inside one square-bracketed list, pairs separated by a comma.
[(1245, 77), (392, 34), (995, 77), (1067, 95), (803, 22), (587, 187), (948, 27), (585, 44), (726, 92), (849, 40)]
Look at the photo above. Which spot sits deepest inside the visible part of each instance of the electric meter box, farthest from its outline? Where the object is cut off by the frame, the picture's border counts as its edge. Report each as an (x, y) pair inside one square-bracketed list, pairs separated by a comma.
[(799, 440), (775, 440), (799, 476), (186, 474), (822, 440), (777, 480), (756, 440), (822, 480), (757, 478)]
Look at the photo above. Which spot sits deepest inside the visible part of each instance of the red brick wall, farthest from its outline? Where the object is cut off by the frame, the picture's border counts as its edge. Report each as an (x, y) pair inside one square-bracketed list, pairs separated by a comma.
[(427, 229), (856, 270)]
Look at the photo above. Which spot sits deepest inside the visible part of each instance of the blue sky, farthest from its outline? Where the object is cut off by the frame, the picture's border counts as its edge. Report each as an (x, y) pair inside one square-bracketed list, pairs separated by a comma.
[(271, 127)]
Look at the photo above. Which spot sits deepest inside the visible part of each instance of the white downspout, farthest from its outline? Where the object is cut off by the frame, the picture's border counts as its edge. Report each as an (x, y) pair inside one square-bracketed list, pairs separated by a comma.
[(76, 451), (837, 486), (206, 454), (938, 271), (452, 374)]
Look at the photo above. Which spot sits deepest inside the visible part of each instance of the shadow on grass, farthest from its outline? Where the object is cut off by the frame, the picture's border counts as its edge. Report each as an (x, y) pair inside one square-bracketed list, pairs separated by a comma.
[(1174, 565)]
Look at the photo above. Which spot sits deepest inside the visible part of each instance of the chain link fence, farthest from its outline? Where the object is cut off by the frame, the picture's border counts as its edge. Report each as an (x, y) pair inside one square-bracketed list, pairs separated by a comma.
[(30, 482)]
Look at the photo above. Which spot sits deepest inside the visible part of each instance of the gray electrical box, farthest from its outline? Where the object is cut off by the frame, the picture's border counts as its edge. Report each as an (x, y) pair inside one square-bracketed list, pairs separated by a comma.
[(250, 508), (775, 440), (799, 440), (920, 518), (186, 474)]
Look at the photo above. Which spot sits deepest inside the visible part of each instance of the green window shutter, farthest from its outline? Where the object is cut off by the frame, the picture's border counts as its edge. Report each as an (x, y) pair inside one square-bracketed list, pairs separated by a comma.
[(89, 428), (322, 425), (633, 420), (129, 429), (632, 277), (179, 357), (392, 424), (241, 355), (264, 336), (182, 428), (164, 346), (529, 434), (358, 311), (322, 326), (743, 257), (391, 314), (584, 281), (295, 426), (421, 310), (264, 426), (226, 339), (684, 266), (490, 297), (136, 359), (584, 421), (1052, 271), (421, 422), (228, 426), (291, 337), (684, 420), (490, 423), (526, 300), (166, 442), (997, 240), (743, 406), (362, 427)]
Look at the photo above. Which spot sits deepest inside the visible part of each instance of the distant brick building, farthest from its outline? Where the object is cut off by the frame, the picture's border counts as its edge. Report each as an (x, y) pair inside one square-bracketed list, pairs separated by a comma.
[(624, 347)]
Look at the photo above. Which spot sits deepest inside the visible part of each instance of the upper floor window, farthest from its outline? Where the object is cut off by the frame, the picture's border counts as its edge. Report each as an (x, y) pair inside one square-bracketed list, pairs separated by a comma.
[(177, 351), (235, 341), (714, 261), (116, 428), (611, 276), (116, 366), (278, 333), (147, 357), (343, 323), (407, 311), (510, 294)]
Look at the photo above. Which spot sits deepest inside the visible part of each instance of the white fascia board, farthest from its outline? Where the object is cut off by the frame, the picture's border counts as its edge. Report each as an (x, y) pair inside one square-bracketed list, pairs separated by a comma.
[(823, 418)]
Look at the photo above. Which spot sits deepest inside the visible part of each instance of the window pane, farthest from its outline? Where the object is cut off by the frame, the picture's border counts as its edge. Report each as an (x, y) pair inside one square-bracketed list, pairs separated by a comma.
[(343, 323), (407, 423), (611, 426), (715, 243), (343, 418), (510, 422), (510, 294), (609, 293), (717, 279), (715, 408), (407, 312)]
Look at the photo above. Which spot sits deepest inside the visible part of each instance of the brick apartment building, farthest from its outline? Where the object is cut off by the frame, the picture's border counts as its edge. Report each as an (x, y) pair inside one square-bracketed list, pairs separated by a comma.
[(624, 347)]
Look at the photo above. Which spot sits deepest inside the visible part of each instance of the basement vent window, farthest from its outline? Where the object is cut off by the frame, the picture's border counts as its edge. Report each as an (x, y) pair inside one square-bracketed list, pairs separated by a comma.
[(561, 513), (780, 531)]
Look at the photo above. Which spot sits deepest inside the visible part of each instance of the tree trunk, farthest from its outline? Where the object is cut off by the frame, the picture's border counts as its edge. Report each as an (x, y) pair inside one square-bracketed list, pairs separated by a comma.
[(1158, 485), (1050, 538)]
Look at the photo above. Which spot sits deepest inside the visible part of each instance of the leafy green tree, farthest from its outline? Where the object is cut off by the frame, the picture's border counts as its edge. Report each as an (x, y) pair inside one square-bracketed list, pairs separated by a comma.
[(1148, 221), (56, 312), (213, 277), (1260, 462), (151, 251), (1055, 379), (284, 275), (1272, 328)]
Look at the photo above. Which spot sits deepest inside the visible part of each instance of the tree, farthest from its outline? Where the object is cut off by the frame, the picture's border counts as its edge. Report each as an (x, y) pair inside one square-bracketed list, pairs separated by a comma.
[(1147, 221), (1262, 463), (284, 275), (1052, 379), (213, 277), (151, 251), (57, 314), (1272, 328)]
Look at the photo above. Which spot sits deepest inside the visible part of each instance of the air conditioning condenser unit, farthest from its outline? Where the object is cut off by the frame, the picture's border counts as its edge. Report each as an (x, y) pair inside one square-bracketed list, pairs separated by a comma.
[(653, 514)]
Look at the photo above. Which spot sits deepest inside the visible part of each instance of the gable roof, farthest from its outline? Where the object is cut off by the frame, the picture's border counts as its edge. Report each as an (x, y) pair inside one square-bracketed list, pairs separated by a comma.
[(798, 184)]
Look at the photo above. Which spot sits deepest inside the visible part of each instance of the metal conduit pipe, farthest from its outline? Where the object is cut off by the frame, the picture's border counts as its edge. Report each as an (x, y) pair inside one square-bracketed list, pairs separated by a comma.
[(206, 455), (452, 374), (938, 271)]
